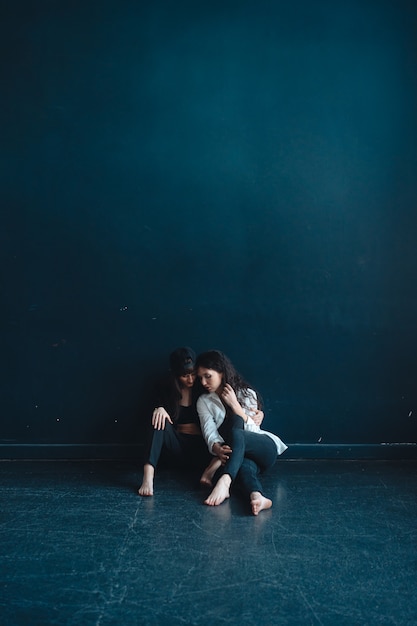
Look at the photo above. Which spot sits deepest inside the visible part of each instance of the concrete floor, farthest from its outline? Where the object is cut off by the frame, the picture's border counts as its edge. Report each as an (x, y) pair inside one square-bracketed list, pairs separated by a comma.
[(79, 547)]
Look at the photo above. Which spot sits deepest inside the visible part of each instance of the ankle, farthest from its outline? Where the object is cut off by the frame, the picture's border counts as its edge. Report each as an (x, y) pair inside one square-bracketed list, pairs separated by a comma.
[(148, 471)]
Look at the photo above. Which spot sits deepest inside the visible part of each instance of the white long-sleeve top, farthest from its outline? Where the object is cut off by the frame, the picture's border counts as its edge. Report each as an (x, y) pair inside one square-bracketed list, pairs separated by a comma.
[(212, 412)]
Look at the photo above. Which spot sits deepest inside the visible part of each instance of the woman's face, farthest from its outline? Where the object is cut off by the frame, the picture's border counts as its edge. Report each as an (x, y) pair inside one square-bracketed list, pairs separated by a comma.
[(187, 380), (210, 379)]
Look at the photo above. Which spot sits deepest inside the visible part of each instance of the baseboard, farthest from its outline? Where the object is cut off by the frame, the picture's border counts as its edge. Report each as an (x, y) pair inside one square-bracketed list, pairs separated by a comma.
[(296, 451), (70, 451), (371, 451)]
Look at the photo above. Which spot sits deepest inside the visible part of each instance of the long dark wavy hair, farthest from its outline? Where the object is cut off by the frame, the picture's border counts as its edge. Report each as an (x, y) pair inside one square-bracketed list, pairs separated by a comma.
[(219, 362)]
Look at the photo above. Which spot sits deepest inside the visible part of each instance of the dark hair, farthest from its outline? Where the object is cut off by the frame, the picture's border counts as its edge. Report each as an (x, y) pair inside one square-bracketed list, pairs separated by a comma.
[(182, 361), (219, 362)]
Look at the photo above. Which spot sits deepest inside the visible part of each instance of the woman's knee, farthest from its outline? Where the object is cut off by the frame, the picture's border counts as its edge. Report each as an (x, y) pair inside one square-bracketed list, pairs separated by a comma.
[(261, 449), (236, 421)]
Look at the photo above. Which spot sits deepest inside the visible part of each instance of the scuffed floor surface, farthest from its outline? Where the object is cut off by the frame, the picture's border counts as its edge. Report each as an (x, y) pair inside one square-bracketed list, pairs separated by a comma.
[(79, 547)]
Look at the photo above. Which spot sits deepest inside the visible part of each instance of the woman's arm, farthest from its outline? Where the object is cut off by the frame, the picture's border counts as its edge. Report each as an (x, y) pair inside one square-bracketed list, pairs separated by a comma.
[(230, 398), (164, 406), (246, 406), (258, 417), (208, 412), (159, 417)]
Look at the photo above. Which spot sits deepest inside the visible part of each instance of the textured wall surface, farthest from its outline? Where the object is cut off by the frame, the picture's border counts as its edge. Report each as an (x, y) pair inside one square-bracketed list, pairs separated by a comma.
[(233, 175)]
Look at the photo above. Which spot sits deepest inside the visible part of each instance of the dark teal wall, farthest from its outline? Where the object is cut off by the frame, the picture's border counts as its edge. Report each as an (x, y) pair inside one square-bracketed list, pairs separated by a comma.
[(239, 175)]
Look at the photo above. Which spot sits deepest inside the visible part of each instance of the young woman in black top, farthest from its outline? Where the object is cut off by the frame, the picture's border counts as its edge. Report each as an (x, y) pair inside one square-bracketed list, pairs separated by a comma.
[(175, 425)]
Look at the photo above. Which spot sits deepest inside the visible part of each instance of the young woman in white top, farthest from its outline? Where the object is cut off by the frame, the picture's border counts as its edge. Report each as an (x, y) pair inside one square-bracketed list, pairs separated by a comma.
[(226, 414)]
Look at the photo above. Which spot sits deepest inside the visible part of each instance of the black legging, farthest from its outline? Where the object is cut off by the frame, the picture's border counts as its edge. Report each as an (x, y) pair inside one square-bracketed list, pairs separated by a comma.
[(183, 450), (252, 454)]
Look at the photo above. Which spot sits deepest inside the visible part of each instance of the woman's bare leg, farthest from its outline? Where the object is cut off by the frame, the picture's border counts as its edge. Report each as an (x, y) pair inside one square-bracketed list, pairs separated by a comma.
[(258, 502), (211, 469), (220, 492), (146, 488)]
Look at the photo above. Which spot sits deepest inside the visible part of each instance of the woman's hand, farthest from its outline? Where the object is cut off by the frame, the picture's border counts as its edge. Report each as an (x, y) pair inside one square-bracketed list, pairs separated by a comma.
[(159, 417), (229, 397), (223, 451), (258, 417)]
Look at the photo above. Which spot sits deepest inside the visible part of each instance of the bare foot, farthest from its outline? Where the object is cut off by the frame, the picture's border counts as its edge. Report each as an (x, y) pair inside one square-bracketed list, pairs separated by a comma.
[(146, 488), (220, 491), (259, 503), (207, 475)]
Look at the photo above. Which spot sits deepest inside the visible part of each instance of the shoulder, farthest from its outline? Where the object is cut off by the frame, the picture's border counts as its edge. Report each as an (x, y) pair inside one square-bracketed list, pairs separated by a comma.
[(202, 401), (207, 398), (247, 393)]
